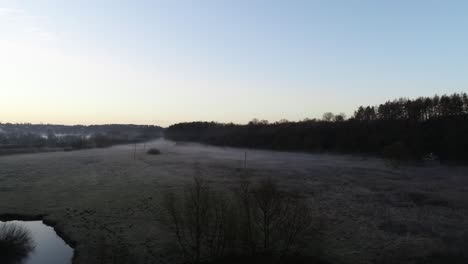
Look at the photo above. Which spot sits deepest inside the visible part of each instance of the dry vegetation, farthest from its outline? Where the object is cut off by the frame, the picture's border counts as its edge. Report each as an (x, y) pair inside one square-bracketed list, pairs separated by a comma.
[(362, 210), (15, 243)]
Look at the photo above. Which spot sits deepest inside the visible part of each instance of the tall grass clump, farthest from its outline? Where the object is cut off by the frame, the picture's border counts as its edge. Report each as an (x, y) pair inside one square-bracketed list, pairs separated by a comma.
[(16, 243)]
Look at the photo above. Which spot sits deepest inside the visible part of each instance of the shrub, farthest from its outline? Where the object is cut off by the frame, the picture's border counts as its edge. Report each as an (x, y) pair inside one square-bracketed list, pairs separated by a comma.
[(153, 151), (16, 243)]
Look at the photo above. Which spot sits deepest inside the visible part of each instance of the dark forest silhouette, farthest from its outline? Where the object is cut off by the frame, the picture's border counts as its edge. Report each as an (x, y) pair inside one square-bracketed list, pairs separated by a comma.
[(414, 129)]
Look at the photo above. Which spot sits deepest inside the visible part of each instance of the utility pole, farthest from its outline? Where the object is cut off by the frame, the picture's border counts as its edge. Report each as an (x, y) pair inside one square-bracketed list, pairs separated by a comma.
[(134, 153), (245, 160)]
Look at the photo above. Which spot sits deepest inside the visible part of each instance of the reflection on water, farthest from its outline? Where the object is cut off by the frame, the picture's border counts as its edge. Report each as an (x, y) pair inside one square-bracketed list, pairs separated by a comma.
[(32, 242)]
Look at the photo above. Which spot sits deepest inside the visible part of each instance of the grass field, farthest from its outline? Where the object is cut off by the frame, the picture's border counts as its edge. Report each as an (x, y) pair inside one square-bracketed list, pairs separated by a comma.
[(106, 201)]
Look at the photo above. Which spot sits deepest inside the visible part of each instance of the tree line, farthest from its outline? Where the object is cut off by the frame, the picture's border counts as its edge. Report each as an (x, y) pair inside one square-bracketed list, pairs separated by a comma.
[(24, 138), (420, 109), (403, 128)]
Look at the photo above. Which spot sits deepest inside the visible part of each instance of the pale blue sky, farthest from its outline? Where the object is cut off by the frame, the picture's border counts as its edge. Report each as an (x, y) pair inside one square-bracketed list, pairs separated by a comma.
[(162, 62)]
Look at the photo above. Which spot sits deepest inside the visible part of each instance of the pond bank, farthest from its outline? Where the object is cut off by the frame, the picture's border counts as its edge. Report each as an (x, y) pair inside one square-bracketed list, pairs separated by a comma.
[(46, 236)]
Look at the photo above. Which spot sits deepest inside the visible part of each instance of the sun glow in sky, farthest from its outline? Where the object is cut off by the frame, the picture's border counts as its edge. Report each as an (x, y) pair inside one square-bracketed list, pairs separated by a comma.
[(162, 62)]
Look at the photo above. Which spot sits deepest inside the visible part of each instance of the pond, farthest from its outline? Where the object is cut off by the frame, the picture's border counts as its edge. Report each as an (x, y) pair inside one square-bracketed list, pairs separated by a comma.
[(32, 242)]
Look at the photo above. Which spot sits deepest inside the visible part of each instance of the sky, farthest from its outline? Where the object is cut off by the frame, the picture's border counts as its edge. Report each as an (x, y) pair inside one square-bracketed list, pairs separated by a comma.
[(163, 62)]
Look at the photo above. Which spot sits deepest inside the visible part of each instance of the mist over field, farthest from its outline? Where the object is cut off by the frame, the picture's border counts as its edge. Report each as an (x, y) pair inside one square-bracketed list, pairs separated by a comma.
[(26, 138), (108, 201), (226, 132)]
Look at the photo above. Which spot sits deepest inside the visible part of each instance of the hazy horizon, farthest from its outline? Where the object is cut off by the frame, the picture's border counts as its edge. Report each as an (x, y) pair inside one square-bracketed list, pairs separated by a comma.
[(163, 62), (234, 131)]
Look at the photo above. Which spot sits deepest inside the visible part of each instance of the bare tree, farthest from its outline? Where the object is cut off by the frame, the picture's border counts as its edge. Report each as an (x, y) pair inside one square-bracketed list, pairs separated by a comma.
[(245, 217), (296, 222), (340, 117), (328, 116), (199, 220), (262, 218), (268, 210)]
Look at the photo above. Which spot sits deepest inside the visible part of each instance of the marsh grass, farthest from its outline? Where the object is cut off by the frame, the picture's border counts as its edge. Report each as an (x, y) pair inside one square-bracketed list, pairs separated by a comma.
[(16, 243)]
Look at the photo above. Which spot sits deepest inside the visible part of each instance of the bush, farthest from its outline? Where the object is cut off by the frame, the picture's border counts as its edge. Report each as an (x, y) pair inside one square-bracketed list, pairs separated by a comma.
[(153, 151), (15, 243)]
